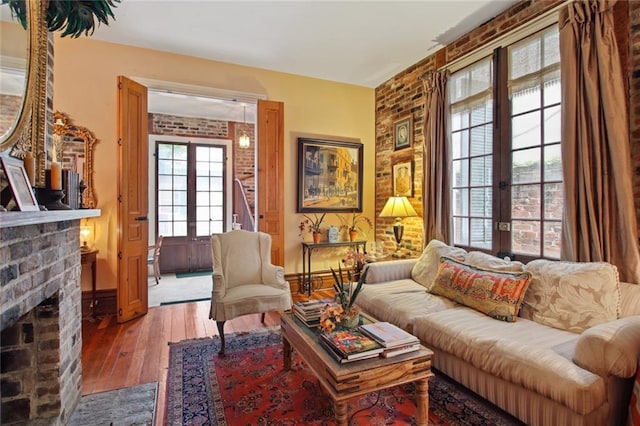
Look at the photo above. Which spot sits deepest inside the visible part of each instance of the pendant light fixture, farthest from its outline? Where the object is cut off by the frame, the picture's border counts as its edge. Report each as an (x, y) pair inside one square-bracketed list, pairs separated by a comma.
[(244, 140)]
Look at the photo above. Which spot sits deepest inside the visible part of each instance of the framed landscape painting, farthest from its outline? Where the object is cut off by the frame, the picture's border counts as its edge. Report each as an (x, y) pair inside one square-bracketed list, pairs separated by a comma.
[(329, 176)]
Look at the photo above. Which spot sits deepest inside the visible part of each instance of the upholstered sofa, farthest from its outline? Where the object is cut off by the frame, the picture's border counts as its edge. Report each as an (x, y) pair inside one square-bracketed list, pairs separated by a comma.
[(568, 357)]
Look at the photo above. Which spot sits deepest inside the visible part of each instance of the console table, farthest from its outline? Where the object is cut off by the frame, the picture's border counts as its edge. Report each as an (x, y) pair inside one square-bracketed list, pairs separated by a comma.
[(90, 257), (307, 251)]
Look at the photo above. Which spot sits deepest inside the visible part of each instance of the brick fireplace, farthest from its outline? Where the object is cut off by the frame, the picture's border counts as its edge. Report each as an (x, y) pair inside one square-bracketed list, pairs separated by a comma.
[(40, 316)]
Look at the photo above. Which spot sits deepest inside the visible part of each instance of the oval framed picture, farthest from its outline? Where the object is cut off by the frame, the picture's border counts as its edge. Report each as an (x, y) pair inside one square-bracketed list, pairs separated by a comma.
[(403, 133)]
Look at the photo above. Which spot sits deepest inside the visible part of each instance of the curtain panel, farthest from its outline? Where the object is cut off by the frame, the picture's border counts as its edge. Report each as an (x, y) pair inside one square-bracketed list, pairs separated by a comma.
[(436, 189), (599, 221)]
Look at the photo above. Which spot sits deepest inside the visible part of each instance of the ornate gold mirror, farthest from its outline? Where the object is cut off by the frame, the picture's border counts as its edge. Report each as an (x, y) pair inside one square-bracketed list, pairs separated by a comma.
[(14, 63), (75, 148), (26, 130)]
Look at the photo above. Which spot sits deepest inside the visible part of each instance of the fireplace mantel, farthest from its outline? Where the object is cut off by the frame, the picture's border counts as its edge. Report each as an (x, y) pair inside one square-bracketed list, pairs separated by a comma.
[(12, 219)]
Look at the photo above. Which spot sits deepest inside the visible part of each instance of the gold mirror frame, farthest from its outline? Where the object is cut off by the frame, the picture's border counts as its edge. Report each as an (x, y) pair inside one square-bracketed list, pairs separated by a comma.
[(62, 126), (29, 132)]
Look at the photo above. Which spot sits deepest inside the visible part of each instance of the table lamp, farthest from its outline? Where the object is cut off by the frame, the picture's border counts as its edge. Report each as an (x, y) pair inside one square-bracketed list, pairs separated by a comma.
[(398, 207)]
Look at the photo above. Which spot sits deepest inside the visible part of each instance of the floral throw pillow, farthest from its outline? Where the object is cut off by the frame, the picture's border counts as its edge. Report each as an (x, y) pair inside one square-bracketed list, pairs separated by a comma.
[(497, 294)]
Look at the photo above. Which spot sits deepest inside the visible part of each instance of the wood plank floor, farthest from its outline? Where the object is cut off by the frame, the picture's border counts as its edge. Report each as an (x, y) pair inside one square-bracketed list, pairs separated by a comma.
[(137, 352)]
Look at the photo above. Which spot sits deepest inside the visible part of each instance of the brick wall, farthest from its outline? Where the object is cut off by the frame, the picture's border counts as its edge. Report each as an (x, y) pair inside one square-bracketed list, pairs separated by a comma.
[(243, 159), (402, 95), (41, 341)]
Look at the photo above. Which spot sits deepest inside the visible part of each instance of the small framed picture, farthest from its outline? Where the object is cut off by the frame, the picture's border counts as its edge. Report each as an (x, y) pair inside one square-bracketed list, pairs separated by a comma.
[(19, 183), (403, 133), (403, 179)]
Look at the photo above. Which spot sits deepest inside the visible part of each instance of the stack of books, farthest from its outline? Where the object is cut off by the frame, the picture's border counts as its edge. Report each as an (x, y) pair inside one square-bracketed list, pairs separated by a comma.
[(309, 312), (350, 345), (395, 340)]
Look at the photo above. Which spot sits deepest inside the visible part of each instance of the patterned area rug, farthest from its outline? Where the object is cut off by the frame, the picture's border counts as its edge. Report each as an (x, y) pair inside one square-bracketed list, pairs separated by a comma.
[(249, 387), (135, 405)]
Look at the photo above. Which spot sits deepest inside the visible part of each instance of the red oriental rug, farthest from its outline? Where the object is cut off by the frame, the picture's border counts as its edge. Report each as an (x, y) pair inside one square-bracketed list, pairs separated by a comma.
[(250, 387)]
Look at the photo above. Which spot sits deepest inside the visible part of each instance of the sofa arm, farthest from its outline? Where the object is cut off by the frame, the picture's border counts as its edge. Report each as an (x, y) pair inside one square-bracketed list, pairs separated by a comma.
[(390, 270), (611, 348), (273, 275)]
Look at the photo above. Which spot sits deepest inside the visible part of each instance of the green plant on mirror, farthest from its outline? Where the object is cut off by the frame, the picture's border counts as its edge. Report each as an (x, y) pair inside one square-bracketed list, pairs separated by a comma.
[(72, 17)]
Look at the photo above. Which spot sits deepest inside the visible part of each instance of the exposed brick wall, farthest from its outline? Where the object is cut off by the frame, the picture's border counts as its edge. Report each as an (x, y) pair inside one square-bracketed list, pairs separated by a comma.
[(403, 95), (243, 159), (41, 340)]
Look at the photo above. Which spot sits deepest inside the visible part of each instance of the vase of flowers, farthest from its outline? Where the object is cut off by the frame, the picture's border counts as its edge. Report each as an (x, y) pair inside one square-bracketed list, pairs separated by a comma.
[(312, 226), (354, 224), (344, 313)]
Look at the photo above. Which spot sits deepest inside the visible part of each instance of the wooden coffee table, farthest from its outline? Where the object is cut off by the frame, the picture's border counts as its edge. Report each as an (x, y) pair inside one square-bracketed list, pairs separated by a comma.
[(345, 381)]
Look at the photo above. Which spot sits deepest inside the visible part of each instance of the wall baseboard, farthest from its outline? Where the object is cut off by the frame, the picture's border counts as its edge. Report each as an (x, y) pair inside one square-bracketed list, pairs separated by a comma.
[(107, 302)]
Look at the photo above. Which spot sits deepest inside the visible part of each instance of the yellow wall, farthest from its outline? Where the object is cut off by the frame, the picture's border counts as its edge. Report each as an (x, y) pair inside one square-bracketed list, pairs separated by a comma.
[(85, 73)]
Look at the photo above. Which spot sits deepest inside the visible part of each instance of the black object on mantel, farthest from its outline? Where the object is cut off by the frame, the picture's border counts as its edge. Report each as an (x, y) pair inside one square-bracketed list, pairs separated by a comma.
[(51, 199)]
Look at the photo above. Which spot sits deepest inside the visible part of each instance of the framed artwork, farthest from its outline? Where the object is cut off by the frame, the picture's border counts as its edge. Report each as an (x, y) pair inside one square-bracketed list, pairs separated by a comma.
[(19, 184), (329, 176), (403, 179), (403, 133)]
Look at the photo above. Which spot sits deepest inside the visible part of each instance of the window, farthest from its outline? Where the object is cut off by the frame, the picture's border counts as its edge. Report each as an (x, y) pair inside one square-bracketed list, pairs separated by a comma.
[(507, 172)]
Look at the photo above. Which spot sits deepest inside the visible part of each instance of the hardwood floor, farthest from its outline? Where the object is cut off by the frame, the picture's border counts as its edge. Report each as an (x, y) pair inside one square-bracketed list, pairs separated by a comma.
[(136, 352)]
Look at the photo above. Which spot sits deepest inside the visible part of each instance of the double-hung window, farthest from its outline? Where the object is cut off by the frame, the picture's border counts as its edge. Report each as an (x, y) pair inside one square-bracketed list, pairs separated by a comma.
[(507, 188)]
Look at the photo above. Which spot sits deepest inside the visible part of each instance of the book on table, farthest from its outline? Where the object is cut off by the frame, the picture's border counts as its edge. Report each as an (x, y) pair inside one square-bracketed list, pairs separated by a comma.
[(399, 350), (309, 312), (388, 335), (351, 344), (340, 358)]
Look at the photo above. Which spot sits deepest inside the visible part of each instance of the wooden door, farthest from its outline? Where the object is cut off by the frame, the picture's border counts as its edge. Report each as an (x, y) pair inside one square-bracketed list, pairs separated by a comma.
[(271, 175), (133, 226)]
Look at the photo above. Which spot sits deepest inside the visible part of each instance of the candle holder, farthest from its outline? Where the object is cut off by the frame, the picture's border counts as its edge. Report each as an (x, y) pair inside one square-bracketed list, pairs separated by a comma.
[(51, 198)]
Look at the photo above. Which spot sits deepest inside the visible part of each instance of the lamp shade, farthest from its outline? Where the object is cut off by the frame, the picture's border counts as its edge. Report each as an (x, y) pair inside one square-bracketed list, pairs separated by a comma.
[(398, 207)]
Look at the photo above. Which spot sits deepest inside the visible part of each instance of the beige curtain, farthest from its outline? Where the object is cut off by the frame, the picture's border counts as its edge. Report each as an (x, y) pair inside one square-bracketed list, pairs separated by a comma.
[(436, 190), (599, 214)]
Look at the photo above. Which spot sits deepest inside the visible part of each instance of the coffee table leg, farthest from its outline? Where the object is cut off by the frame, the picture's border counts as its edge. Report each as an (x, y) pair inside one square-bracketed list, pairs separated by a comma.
[(341, 413), (422, 402), (286, 353)]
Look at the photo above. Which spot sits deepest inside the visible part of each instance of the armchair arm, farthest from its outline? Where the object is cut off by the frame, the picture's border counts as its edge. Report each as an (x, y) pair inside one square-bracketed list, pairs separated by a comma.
[(611, 348), (390, 270), (273, 275), (219, 286)]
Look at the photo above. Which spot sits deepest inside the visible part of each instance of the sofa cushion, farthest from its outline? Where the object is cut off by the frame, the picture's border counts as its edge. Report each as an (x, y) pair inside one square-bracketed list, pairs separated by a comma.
[(399, 302), (426, 268), (493, 263), (523, 353), (571, 296), (497, 294)]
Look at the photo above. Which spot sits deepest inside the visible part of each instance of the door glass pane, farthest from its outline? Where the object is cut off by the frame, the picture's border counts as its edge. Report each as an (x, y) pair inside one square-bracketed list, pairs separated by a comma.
[(216, 227), (165, 228), (180, 152), (481, 169), (461, 230), (460, 172), (180, 213), (202, 183), (552, 163), (525, 237), (552, 124), (526, 166), (525, 130), (481, 202), (180, 168), (180, 229), (180, 198), (461, 202), (216, 213), (165, 182), (460, 144), (481, 140), (202, 198), (481, 233), (553, 199), (202, 228), (552, 92), (525, 202), (552, 236), (525, 100), (202, 213)]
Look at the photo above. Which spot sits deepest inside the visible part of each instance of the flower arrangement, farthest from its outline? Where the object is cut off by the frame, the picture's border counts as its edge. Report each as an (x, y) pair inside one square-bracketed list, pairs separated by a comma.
[(353, 224), (346, 294), (310, 225), (356, 260)]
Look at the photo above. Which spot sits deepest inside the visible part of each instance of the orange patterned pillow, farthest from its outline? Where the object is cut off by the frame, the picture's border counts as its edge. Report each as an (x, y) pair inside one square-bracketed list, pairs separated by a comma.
[(497, 294)]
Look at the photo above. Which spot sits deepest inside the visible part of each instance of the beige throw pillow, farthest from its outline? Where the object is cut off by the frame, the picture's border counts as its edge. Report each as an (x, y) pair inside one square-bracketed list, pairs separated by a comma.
[(426, 268), (486, 261), (571, 296)]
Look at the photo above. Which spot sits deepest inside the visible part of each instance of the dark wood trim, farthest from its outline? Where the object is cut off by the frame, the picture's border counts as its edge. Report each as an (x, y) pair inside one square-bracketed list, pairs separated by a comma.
[(106, 302)]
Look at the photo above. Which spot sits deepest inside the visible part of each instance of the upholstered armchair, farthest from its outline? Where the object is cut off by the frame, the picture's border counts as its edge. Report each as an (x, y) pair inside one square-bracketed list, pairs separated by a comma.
[(244, 280)]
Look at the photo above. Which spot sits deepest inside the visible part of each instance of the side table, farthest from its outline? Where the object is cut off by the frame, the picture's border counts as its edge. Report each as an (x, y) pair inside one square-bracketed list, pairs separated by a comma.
[(90, 256), (307, 251)]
